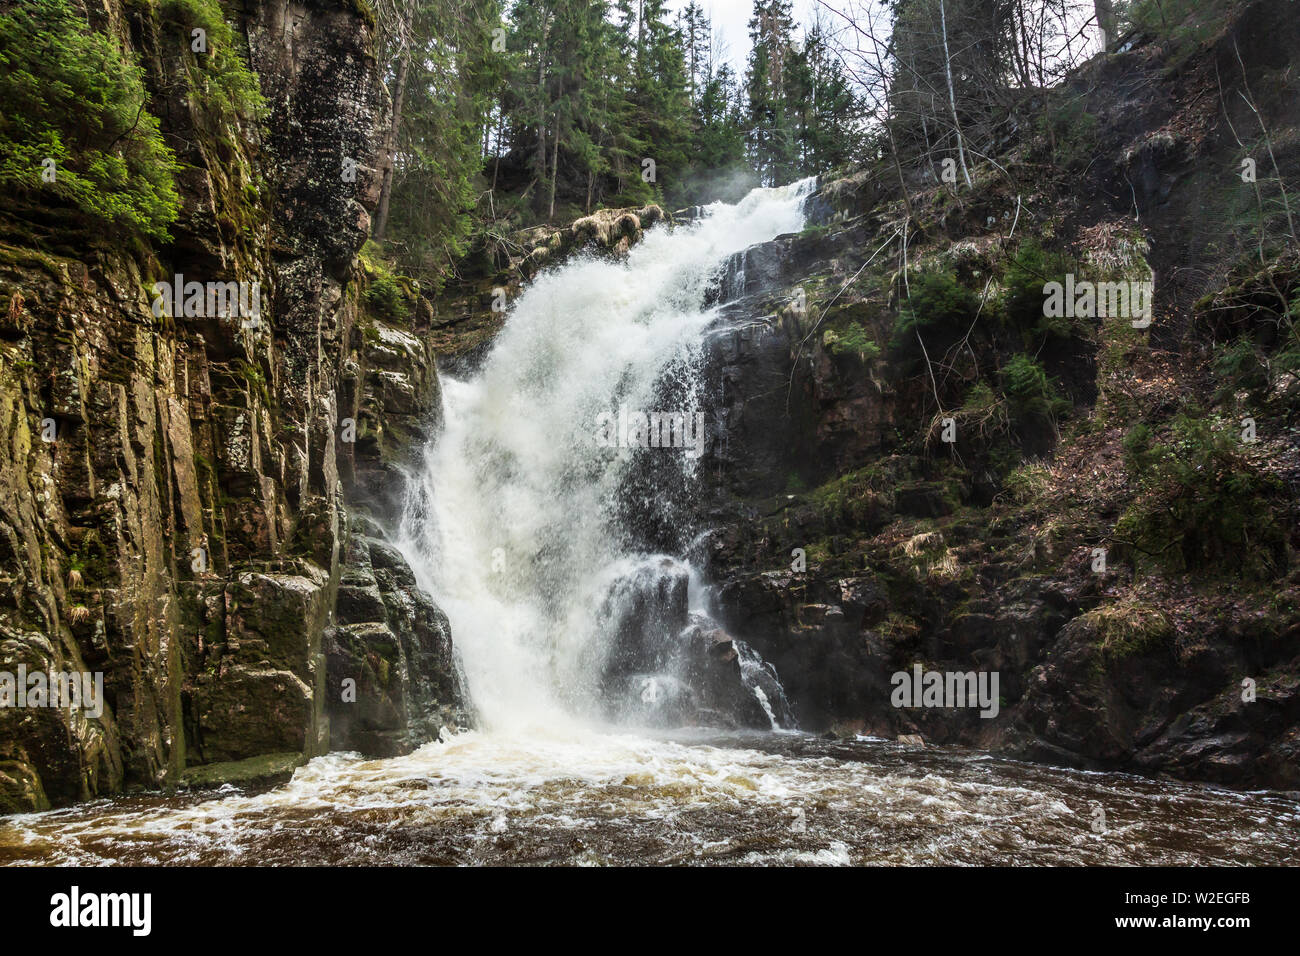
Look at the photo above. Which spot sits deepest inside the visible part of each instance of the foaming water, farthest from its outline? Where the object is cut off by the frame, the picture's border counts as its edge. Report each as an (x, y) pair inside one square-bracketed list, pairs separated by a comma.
[(520, 524), (521, 527), (602, 798)]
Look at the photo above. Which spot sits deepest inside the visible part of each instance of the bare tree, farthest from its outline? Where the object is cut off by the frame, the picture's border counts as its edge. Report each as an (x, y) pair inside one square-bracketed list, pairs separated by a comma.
[(393, 25), (952, 97)]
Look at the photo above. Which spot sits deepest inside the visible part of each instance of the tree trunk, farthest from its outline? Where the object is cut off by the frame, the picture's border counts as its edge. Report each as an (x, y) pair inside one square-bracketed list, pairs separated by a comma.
[(541, 122), (952, 97), (555, 166), (1020, 44), (898, 168), (386, 190), (1106, 21), (496, 162)]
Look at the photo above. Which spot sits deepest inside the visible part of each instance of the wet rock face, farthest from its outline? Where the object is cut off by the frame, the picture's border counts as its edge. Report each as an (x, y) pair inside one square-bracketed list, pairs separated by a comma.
[(1107, 710), (172, 493), (785, 406), (813, 637), (647, 609), (392, 678), (316, 67), (668, 666), (732, 683), (257, 686), (748, 367), (389, 389)]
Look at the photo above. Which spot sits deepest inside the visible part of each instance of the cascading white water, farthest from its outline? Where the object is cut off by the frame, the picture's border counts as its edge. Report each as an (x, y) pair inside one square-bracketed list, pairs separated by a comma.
[(517, 476), (518, 522)]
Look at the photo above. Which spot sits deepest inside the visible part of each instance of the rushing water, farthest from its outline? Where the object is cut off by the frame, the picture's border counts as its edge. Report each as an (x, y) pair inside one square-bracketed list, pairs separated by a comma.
[(599, 798), (532, 535), (545, 547)]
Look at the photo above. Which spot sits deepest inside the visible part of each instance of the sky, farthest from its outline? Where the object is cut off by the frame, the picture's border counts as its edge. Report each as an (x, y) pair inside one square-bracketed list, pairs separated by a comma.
[(731, 19)]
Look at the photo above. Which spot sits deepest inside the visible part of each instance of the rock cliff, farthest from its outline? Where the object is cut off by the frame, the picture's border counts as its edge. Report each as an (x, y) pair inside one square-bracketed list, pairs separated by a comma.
[(184, 498), (1099, 525)]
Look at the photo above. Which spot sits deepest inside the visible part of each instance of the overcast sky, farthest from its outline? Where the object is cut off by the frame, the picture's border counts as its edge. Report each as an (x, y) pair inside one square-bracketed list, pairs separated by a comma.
[(731, 19)]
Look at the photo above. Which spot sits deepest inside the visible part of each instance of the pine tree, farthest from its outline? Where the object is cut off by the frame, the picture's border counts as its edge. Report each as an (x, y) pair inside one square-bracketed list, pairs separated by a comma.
[(443, 74), (773, 149), (831, 119), (697, 34), (661, 114), (721, 169)]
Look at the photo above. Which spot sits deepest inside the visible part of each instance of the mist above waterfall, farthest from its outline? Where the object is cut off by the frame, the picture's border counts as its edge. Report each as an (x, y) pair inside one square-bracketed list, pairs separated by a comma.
[(558, 553)]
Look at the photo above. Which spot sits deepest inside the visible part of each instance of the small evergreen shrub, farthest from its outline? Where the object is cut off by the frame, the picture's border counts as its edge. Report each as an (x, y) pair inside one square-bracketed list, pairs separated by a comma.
[(1203, 503), (222, 78), (853, 340), (936, 299), (1031, 395), (72, 96), (1030, 269), (1240, 367), (387, 297), (938, 302)]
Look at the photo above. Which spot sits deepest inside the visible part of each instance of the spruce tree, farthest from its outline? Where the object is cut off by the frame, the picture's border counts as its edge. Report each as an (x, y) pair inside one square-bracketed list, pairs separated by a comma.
[(773, 149)]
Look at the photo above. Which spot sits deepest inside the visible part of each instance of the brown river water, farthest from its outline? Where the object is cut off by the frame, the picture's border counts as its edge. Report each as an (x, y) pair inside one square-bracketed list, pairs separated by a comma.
[(589, 798)]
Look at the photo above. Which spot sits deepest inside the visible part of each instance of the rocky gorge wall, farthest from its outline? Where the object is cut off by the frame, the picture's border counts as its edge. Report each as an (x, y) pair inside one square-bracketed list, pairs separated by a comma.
[(275, 451), (183, 506), (850, 543), (853, 543)]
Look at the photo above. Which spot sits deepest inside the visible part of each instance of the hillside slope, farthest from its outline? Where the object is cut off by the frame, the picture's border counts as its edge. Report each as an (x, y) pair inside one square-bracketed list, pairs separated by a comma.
[(1113, 529)]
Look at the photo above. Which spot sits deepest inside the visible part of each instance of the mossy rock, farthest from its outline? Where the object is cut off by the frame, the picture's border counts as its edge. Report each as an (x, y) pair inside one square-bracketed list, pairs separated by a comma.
[(1125, 630), (265, 769)]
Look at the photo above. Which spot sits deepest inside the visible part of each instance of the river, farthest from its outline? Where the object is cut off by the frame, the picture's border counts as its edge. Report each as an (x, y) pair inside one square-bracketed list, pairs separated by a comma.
[(527, 531)]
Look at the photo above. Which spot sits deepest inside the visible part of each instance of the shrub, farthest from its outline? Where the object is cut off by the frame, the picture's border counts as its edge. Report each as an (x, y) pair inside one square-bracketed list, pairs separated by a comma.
[(854, 340), (1073, 128), (1126, 629), (1203, 503), (222, 78), (1031, 395), (72, 96), (1027, 482), (1241, 368), (937, 298), (387, 297), (1022, 298), (937, 301)]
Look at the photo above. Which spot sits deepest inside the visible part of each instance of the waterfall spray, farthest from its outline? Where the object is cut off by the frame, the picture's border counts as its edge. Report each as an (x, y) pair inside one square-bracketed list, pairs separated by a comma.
[(519, 523)]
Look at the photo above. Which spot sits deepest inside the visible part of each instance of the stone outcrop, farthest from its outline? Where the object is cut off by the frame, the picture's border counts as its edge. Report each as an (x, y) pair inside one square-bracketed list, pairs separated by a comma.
[(176, 492), (850, 543), (471, 310), (394, 644)]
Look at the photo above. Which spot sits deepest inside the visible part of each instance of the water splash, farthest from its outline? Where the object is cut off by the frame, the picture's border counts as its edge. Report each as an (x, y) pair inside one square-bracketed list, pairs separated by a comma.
[(529, 532)]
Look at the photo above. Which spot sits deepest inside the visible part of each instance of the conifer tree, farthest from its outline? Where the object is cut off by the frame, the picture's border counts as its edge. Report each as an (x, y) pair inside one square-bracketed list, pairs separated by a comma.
[(771, 136), (443, 72), (660, 98)]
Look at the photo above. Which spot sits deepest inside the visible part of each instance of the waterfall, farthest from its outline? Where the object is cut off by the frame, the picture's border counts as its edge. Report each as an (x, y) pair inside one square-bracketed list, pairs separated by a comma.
[(553, 542)]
